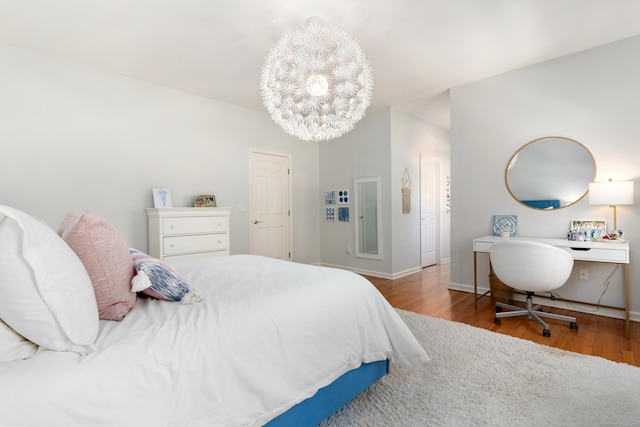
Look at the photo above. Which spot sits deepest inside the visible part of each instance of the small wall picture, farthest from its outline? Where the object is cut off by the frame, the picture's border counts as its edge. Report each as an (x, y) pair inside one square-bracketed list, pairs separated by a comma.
[(343, 214), (204, 201), (587, 229), (505, 222), (330, 197), (343, 197), (161, 198), (330, 214)]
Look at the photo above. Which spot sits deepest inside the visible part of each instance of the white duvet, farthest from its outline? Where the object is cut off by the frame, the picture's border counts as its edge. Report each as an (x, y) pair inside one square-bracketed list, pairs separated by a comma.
[(267, 335)]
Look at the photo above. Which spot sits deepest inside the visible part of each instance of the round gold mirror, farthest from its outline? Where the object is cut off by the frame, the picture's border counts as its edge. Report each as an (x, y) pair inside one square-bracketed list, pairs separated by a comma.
[(550, 173)]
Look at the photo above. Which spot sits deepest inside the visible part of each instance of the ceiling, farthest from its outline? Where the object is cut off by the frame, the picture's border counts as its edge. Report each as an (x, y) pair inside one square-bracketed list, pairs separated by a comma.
[(418, 49)]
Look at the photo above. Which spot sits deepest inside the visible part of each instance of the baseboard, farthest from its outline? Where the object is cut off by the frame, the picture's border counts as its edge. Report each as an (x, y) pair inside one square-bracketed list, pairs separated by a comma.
[(372, 273), (558, 303)]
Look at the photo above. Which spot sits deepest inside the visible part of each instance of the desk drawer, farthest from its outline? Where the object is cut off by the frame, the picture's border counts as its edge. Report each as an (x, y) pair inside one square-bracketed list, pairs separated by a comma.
[(195, 243), (481, 246), (599, 254), (194, 225)]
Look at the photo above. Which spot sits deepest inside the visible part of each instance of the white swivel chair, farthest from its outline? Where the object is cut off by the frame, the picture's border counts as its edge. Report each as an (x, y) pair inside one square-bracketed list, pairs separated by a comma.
[(530, 267)]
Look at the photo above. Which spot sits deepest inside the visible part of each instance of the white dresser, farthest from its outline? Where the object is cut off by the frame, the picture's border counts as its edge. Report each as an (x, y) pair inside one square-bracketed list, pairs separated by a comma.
[(188, 233)]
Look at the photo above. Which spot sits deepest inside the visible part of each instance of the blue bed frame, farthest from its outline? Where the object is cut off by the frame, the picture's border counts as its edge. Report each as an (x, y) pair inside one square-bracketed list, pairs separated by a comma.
[(332, 397)]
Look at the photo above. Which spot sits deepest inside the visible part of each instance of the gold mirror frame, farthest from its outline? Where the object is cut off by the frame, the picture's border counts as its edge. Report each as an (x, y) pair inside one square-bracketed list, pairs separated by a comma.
[(559, 165)]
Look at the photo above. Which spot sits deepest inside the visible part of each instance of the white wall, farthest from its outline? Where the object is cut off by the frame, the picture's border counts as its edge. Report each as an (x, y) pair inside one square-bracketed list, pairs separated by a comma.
[(74, 138), (592, 97), (363, 152), (383, 144), (410, 138)]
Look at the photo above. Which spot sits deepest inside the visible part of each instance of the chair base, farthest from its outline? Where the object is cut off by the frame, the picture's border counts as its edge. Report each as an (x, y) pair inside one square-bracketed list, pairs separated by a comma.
[(532, 313)]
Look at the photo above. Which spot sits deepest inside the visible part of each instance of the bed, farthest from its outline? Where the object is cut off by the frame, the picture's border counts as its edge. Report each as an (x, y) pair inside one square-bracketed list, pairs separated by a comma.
[(265, 342)]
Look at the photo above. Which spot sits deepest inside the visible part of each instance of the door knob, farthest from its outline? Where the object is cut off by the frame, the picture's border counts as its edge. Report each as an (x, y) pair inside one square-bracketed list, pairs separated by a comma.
[(255, 221)]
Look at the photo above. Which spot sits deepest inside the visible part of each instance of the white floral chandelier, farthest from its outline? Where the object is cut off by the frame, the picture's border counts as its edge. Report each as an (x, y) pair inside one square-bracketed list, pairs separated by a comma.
[(316, 82)]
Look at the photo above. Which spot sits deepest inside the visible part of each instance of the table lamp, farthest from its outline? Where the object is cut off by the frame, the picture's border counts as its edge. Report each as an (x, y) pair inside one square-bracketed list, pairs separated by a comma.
[(612, 194)]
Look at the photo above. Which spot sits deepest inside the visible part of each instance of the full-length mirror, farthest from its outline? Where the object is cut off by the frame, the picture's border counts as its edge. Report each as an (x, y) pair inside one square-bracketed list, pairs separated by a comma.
[(368, 208), (550, 173)]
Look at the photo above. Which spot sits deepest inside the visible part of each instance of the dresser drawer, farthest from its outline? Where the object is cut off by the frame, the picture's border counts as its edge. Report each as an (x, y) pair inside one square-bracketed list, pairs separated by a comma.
[(194, 225), (198, 255), (195, 243)]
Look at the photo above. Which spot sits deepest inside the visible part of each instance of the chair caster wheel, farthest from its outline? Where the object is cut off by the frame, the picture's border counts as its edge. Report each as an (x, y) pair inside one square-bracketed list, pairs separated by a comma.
[(546, 332), (496, 320), (498, 309), (573, 325)]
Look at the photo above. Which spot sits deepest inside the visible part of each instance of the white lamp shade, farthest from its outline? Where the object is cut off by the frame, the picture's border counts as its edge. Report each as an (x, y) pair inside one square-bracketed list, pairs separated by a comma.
[(611, 193)]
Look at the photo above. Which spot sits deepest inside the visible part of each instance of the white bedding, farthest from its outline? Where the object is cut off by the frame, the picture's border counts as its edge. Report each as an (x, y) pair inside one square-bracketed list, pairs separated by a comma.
[(267, 335)]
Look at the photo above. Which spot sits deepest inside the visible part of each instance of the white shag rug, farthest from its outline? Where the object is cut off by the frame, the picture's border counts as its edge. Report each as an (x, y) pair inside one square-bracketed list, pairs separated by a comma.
[(482, 378)]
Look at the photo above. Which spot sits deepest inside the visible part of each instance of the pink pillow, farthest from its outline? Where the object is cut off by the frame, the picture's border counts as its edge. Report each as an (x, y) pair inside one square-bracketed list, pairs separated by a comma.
[(105, 255)]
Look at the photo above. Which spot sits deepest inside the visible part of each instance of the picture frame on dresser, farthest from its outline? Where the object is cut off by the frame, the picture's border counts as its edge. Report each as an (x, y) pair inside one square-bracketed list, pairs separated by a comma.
[(161, 198), (205, 201)]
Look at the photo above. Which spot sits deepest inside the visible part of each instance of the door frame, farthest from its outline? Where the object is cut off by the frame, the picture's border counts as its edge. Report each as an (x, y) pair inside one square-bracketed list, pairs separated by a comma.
[(289, 196), (437, 211)]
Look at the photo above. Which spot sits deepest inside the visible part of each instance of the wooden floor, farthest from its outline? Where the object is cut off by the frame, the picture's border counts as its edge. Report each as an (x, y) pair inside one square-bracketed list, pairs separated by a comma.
[(426, 293)]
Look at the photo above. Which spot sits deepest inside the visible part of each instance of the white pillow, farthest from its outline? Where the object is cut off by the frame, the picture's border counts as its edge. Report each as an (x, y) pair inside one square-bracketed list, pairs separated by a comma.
[(13, 346), (46, 293)]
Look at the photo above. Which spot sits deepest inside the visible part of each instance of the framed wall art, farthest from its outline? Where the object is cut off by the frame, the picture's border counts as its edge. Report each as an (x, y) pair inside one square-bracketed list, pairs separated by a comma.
[(343, 214)]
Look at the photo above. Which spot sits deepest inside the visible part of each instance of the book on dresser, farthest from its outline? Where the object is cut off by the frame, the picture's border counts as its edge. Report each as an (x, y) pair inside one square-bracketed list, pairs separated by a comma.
[(177, 234)]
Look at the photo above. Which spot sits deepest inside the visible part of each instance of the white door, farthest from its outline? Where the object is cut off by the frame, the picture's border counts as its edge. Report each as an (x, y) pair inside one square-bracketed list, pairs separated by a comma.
[(428, 210), (269, 205)]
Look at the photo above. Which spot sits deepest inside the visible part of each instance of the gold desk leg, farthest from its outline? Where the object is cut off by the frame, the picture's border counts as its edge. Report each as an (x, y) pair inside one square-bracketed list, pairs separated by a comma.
[(627, 325), (475, 279)]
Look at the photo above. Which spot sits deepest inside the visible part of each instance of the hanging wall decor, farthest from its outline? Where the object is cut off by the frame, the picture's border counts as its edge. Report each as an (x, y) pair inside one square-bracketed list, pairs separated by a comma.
[(406, 192), (343, 214), (330, 197), (448, 196), (330, 214)]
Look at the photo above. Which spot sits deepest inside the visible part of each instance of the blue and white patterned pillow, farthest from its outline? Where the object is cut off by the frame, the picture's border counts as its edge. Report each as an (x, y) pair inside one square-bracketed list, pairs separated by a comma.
[(157, 279)]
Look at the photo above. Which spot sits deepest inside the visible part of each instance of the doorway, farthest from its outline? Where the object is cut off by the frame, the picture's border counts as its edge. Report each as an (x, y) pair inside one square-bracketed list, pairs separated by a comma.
[(270, 204), (429, 184)]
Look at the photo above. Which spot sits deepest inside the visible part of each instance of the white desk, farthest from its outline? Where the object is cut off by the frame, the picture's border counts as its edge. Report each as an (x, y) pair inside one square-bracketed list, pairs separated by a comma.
[(617, 253)]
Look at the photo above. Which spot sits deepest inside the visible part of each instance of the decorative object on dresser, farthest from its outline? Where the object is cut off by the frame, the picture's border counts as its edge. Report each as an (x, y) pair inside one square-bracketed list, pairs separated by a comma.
[(161, 198), (205, 201), (188, 233)]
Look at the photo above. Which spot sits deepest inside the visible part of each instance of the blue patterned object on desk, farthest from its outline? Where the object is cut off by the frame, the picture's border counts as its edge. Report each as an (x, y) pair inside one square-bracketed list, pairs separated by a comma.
[(505, 222)]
